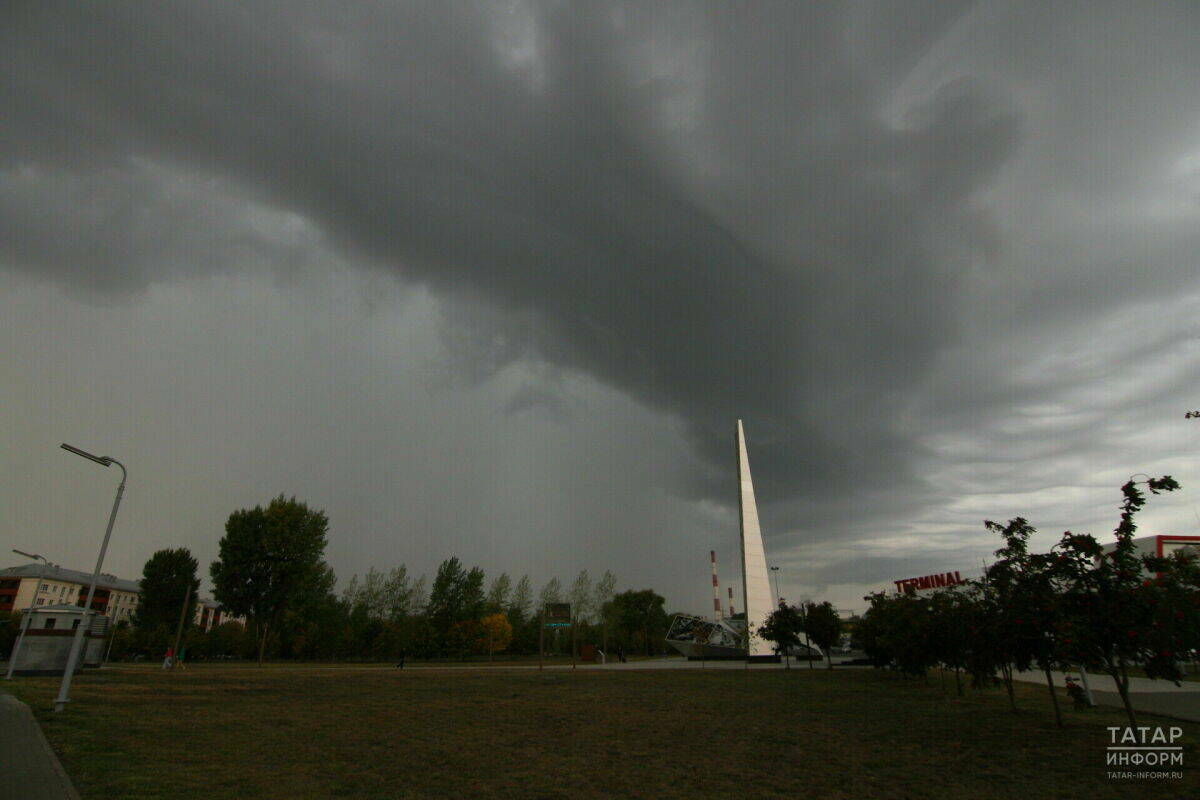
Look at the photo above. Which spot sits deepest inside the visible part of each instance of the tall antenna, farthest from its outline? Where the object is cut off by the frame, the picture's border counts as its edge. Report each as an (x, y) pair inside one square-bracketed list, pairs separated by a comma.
[(731, 611)]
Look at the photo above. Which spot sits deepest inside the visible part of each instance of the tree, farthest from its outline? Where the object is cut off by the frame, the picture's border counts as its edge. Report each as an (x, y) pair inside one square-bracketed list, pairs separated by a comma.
[(445, 598), (524, 622), (456, 598), (472, 595), (581, 597), (498, 632), (1030, 608), (824, 627), (166, 576), (497, 596), (522, 600), (268, 559), (551, 593), (783, 627), (605, 588), (639, 612), (418, 598), (397, 594), (1108, 611), (951, 615)]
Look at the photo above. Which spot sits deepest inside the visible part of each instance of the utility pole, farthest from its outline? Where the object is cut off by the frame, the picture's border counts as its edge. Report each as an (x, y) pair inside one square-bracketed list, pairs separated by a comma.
[(187, 595), (542, 639)]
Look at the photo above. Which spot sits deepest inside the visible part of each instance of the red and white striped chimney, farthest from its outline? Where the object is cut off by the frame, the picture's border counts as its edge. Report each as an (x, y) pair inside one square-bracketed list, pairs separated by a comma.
[(731, 611), (716, 588)]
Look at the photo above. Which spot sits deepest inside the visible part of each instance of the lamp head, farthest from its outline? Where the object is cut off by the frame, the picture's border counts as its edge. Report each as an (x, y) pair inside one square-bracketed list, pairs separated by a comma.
[(103, 461)]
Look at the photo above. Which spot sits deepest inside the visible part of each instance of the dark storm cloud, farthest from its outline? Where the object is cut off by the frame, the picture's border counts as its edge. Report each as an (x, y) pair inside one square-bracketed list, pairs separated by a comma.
[(408, 136), (787, 213)]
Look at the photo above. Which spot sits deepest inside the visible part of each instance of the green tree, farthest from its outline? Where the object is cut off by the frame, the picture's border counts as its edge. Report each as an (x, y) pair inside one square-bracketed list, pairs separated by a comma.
[(605, 588), (639, 616), (269, 558), (824, 627), (581, 597), (783, 628), (473, 598), (522, 600), (951, 620), (397, 594), (497, 595), (550, 593), (1108, 610), (418, 596), (315, 624), (166, 576), (1031, 608), (445, 598), (524, 621), (456, 599)]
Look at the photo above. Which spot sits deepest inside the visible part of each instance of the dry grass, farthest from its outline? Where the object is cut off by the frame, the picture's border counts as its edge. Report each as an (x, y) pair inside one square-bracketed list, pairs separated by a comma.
[(242, 732)]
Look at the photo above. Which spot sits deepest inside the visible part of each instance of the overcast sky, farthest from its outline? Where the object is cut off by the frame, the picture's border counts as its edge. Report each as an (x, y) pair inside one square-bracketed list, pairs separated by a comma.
[(496, 280)]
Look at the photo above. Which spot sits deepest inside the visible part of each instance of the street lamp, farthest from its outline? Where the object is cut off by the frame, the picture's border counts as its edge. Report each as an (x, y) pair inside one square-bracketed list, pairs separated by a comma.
[(775, 575), (12, 659), (64, 689)]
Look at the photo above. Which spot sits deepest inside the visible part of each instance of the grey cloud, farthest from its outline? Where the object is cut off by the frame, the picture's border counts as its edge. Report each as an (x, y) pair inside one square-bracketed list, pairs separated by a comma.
[(830, 221)]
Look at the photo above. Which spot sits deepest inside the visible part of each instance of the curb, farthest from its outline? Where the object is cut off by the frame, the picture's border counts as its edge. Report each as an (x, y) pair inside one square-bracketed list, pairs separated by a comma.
[(38, 738)]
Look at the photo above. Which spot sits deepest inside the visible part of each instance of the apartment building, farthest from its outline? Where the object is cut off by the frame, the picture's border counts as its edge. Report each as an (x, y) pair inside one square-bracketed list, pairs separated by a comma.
[(115, 597)]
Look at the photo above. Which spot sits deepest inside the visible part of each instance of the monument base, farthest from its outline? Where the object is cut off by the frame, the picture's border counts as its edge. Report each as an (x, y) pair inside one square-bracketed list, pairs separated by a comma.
[(771, 659)]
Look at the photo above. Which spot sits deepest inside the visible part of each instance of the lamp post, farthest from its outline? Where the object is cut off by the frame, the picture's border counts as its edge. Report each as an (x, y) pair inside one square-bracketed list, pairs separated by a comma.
[(12, 659), (775, 575), (73, 657)]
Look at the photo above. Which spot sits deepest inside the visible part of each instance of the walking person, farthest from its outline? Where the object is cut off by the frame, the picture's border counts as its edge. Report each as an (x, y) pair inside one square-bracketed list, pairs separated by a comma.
[(168, 657), (179, 658)]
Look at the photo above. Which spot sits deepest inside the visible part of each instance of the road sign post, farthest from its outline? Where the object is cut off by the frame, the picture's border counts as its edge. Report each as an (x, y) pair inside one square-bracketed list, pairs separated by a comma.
[(554, 615)]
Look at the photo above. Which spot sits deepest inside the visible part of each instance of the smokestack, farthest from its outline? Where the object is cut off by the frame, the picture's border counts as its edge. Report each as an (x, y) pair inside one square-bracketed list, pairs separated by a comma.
[(716, 587), (731, 611)]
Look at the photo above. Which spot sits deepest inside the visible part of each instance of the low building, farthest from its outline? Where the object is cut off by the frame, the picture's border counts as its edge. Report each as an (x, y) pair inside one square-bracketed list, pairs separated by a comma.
[(47, 642), (209, 614), (115, 597)]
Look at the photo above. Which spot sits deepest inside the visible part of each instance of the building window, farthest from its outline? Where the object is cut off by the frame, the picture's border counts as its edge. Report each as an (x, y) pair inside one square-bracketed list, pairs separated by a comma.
[(74, 624), (50, 623)]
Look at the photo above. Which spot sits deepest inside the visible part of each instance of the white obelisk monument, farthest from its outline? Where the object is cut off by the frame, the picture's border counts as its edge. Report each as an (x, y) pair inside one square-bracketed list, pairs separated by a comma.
[(756, 586)]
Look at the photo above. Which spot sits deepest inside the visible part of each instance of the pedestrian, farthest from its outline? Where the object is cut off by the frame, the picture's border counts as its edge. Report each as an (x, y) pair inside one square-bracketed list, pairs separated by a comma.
[(179, 657), (1077, 694), (400, 664), (168, 658)]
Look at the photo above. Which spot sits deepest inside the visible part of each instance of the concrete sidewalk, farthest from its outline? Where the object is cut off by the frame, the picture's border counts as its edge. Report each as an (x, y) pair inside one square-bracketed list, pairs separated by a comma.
[(31, 770), (1151, 696)]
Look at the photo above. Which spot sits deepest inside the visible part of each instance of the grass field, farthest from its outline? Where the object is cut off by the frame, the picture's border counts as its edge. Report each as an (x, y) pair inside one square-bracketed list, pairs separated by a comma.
[(295, 732)]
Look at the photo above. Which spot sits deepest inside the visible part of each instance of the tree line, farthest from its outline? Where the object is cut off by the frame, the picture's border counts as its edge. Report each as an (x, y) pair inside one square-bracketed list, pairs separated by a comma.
[(271, 571), (1075, 606)]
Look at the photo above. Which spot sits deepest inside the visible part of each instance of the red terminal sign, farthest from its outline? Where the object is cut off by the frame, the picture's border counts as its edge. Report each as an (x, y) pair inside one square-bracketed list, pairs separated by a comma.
[(938, 581)]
